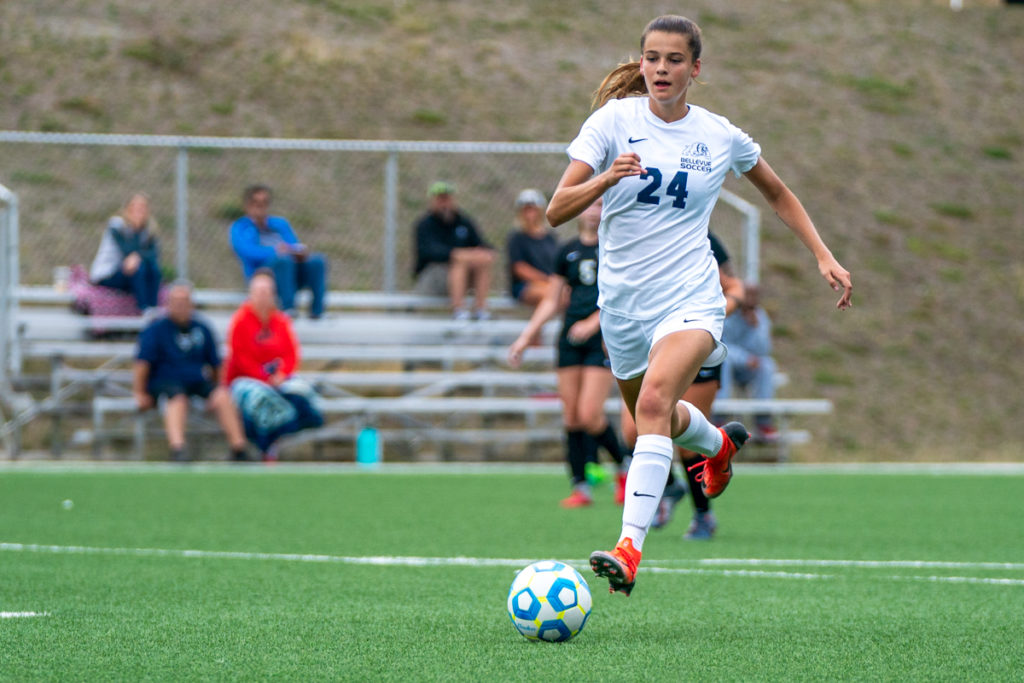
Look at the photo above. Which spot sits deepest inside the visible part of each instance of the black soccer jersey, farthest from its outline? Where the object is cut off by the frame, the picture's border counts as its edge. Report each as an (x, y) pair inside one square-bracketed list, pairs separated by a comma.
[(718, 249), (577, 263)]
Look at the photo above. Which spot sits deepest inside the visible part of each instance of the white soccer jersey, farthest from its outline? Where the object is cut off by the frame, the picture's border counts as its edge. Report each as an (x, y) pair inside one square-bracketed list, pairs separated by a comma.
[(654, 248)]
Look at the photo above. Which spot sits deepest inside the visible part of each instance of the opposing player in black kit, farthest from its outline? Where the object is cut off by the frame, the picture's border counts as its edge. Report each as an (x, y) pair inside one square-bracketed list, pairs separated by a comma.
[(584, 377)]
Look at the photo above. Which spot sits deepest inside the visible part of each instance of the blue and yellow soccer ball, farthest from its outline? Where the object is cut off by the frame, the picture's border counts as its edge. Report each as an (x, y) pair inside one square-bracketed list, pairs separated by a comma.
[(549, 601)]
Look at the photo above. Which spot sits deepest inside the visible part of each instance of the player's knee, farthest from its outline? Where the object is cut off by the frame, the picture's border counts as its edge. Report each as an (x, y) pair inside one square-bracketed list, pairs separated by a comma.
[(593, 420), (653, 404)]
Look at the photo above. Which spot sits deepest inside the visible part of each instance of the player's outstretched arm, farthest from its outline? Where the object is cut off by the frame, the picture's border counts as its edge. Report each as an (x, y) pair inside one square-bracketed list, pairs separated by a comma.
[(788, 208), (548, 307)]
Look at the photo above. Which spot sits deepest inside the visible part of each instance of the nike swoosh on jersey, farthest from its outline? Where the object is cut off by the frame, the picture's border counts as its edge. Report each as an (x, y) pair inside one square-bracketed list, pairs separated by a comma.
[(632, 141)]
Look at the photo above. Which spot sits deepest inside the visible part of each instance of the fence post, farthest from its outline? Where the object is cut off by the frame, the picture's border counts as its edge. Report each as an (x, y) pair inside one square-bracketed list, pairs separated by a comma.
[(4, 291), (753, 245), (390, 220), (181, 212), (13, 277)]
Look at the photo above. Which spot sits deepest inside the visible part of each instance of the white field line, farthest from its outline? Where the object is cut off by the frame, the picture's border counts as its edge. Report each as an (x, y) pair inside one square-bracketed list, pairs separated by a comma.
[(414, 561), (981, 580), (870, 564), (22, 615)]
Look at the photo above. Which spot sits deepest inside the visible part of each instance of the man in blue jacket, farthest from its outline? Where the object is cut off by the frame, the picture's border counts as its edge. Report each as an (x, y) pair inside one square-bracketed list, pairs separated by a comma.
[(261, 240)]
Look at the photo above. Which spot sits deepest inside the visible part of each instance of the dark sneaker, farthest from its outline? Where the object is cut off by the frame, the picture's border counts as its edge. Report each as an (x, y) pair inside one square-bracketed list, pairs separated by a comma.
[(767, 435), (667, 505), (619, 566), (718, 470), (702, 527)]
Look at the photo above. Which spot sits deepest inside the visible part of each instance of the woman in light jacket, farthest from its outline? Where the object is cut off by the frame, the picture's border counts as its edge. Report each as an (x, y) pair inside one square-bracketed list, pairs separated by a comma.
[(128, 257)]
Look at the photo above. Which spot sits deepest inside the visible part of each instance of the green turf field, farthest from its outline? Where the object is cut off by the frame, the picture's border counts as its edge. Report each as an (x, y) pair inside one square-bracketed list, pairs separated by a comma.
[(878, 576)]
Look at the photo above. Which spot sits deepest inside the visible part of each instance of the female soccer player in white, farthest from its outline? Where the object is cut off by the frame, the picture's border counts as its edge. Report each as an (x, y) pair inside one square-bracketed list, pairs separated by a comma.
[(659, 163)]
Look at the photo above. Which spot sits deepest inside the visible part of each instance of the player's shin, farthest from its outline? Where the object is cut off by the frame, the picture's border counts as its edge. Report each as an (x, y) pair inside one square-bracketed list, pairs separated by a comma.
[(645, 482)]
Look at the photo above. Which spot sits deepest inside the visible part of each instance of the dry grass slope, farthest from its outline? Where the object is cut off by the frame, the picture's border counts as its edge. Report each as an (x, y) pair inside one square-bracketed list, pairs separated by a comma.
[(898, 124)]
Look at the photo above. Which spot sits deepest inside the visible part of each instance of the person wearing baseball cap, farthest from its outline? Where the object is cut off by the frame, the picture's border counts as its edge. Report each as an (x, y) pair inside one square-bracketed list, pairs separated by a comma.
[(451, 256), (531, 249)]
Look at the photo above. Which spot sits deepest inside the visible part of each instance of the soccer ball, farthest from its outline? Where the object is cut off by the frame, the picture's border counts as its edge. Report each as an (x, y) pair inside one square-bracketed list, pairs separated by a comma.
[(549, 601)]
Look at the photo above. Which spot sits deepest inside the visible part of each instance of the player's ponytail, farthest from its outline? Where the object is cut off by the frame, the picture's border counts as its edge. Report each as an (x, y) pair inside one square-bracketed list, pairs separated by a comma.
[(627, 80)]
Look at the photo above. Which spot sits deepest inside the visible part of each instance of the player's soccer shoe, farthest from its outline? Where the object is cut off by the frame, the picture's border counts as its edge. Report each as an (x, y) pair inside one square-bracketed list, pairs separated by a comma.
[(618, 566), (620, 489), (595, 474), (702, 528), (718, 470), (578, 499), (667, 505)]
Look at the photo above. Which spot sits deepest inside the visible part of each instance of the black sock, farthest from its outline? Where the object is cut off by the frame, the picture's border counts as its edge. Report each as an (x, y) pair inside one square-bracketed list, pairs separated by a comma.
[(576, 454), (589, 448), (700, 501), (610, 442)]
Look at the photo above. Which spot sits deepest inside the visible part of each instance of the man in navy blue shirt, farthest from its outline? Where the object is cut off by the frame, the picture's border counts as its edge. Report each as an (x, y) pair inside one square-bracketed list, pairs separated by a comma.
[(264, 241), (178, 358)]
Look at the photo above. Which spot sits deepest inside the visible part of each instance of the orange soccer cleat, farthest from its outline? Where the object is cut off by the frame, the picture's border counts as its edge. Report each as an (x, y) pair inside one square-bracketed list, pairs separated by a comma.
[(619, 566), (578, 499), (718, 470)]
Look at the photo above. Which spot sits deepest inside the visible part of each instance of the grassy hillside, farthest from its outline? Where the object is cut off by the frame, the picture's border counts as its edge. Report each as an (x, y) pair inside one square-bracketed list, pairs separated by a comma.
[(897, 123)]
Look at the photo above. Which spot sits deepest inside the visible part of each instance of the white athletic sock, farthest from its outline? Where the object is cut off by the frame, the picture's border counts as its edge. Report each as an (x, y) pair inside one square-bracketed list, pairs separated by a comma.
[(701, 436), (645, 482)]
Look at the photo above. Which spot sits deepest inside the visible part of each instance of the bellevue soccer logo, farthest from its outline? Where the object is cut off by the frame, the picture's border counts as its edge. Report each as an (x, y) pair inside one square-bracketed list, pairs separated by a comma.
[(696, 157)]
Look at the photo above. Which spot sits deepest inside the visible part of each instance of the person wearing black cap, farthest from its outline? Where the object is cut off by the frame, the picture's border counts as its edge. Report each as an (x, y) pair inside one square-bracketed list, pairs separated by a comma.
[(451, 256)]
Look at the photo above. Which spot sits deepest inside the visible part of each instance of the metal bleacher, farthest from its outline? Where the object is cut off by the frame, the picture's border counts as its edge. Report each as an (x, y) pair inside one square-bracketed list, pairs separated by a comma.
[(397, 362)]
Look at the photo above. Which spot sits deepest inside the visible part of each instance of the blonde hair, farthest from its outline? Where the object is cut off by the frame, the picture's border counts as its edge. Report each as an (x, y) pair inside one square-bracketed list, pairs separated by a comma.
[(626, 80), (151, 225)]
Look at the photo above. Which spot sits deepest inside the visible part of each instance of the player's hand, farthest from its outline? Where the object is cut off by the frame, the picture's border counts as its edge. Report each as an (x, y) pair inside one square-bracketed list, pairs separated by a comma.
[(624, 166), (838, 279), (580, 331), (515, 353)]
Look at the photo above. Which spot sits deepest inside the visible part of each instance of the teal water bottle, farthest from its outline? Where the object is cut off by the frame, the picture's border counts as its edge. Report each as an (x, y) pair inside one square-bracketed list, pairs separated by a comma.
[(368, 447)]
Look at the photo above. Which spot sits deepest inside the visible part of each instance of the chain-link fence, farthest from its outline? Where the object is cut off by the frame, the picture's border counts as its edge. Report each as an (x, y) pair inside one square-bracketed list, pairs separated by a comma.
[(354, 201)]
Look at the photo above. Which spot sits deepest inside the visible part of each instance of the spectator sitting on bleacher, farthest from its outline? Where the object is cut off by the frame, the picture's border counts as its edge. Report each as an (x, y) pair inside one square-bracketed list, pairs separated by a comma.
[(451, 257), (177, 358), (263, 352), (749, 365), (128, 256), (532, 250), (264, 241)]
